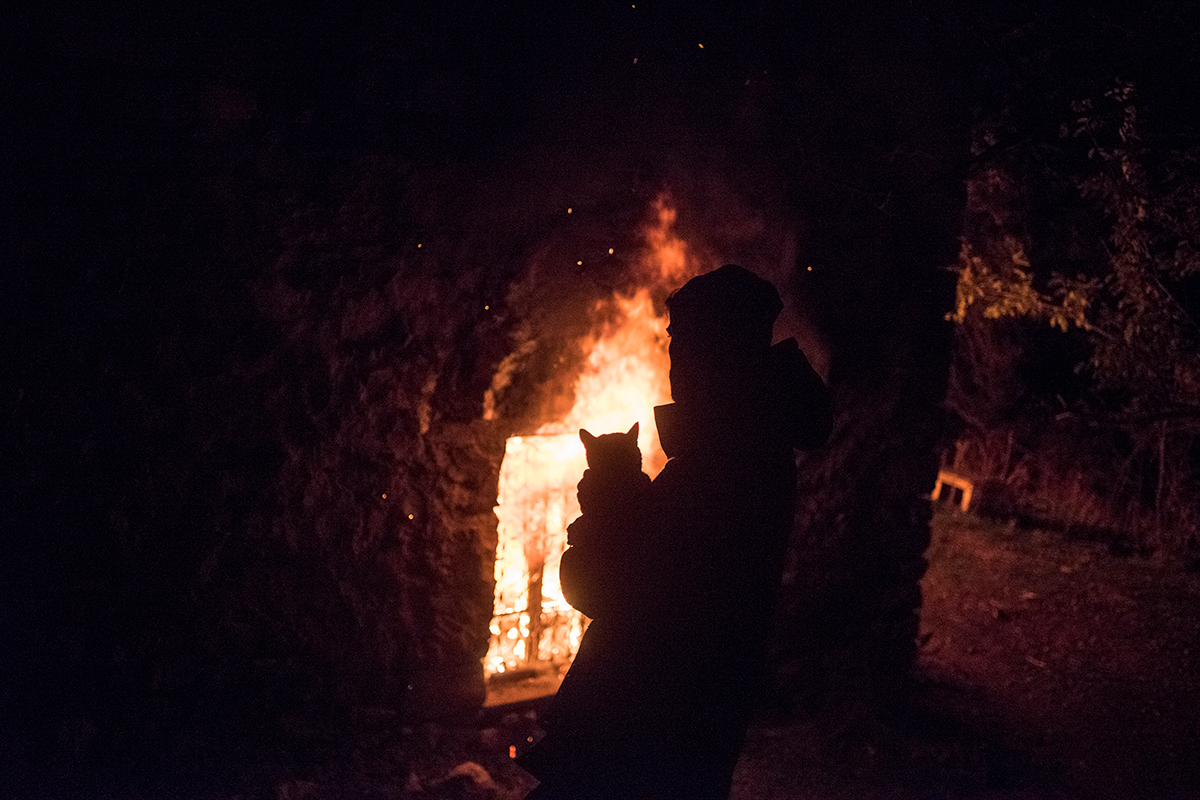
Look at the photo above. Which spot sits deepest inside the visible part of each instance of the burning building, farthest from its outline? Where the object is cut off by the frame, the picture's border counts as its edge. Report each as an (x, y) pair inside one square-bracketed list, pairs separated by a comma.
[(454, 385), (624, 375)]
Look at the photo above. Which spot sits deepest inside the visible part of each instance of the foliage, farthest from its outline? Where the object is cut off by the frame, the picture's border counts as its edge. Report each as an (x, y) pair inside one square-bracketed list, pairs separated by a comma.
[(1133, 302), (1142, 332)]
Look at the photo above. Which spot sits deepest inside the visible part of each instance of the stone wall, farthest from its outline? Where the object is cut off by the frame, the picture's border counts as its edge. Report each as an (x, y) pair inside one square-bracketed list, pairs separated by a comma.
[(879, 190)]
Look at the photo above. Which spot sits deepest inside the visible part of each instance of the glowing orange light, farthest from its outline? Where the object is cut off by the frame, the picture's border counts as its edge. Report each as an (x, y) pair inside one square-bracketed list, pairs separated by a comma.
[(623, 378), (668, 253)]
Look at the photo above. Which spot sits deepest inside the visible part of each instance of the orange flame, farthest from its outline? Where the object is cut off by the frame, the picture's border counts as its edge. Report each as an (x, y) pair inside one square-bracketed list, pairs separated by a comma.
[(668, 252), (625, 376)]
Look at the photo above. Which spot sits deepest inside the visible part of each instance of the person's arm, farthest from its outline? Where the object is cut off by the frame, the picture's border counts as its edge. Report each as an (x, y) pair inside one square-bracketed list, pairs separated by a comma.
[(580, 578), (595, 572)]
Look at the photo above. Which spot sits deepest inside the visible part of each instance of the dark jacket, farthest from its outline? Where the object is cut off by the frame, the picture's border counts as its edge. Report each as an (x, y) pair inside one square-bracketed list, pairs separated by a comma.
[(657, 700)]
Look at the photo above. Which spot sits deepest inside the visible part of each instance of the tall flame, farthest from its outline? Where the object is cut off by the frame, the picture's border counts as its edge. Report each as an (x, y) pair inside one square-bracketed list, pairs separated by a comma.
[(625, 376)]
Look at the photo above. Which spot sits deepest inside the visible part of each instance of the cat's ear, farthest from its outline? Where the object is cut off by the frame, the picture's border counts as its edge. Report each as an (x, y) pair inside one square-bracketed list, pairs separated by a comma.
[(586, 437), (633, 431)]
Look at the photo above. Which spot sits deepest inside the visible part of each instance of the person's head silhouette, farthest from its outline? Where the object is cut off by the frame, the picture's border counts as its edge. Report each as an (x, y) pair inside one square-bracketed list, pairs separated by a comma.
[(720, 328)]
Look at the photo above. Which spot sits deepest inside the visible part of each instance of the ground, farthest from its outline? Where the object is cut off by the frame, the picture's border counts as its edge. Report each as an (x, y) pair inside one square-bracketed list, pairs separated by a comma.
[(1050, 668)]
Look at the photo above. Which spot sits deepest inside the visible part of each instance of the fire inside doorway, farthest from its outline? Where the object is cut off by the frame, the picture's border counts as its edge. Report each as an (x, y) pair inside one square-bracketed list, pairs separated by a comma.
[(534, 632)]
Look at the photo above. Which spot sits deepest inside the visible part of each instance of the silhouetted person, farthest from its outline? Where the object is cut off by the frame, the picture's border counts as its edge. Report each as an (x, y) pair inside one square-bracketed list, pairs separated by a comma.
[(658, 698)]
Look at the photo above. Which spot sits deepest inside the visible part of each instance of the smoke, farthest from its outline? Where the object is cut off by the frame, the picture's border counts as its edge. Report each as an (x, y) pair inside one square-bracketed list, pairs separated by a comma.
[(606, 205)]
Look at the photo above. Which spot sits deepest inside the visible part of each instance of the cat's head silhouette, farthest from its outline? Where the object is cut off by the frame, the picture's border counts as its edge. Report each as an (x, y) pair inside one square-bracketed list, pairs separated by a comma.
[(612, 451)]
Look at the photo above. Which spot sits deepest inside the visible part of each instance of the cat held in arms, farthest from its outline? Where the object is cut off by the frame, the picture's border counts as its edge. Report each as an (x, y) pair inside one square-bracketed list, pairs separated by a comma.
[(604, 541)]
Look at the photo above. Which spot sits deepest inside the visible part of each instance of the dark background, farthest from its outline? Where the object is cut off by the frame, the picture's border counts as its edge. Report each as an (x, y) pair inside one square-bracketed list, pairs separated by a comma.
[(220, 339)]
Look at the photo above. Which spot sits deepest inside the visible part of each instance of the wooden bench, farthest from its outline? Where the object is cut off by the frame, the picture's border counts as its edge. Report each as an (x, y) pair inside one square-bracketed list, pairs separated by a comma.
[(947, 478)]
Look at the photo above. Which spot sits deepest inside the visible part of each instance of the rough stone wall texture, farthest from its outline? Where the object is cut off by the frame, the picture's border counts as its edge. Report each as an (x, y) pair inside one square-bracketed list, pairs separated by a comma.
[(879, 172), (390, 471)]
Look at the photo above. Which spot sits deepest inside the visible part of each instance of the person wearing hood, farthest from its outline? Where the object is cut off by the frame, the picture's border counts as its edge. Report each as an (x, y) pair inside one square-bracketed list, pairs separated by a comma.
[(657, 701)]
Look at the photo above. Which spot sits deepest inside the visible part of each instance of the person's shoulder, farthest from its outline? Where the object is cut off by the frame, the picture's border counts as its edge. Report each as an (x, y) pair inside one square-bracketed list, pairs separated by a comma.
[(679, 473), (666, 474)]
